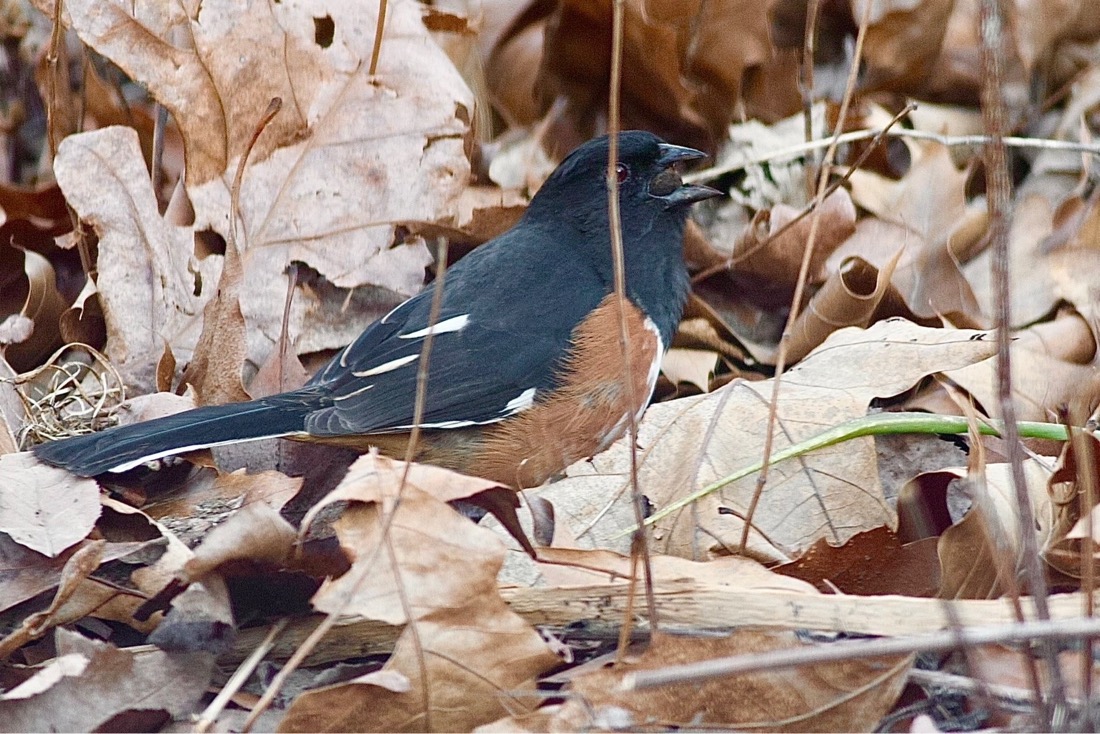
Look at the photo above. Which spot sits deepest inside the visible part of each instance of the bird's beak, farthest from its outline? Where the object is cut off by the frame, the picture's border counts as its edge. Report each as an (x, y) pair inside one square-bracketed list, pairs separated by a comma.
[(686, 193), (675, 153)]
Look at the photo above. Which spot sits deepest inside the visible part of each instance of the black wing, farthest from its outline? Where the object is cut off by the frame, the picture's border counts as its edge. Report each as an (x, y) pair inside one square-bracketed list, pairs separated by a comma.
[(501, 333)]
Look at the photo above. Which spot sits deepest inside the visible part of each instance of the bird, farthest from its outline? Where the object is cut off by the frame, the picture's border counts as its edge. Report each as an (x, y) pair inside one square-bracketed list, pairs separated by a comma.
[(526, 367)]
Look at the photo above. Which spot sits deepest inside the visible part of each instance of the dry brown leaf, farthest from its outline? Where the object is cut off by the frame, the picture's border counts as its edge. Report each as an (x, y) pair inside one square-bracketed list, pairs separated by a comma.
[(215, 367), (687, 68), (436, 571), (444, 568), (848, 298), (151, 684), (25, 574), (874, 562), (45, 508), (903, 41), (1065, 548), (849, 696), (927, 214), (1034, 289), (256, 532), (969, 550), (348, 159), (780, 259), (208, 497), (28, 288), (1041, 384), (44, 205), (476, 671), (83, 322), (687, 444), (77, 568), (151, 286)]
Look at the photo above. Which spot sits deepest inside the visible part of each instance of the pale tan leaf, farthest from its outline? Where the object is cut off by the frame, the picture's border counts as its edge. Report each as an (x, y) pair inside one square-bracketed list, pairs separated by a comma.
[(45, 508), (848, 696), (434, 569), (149, 683), (348, 159), (686, 444), (151, 286)]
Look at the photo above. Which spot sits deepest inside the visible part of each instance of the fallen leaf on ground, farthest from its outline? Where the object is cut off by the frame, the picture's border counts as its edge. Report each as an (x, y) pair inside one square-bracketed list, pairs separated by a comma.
[(318, 189), (686, 444), (430, 568), (151, 685), (851, 695), (45, 508)]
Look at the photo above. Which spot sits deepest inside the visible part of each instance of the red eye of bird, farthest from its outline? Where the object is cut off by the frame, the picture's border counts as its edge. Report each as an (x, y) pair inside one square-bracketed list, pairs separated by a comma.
[(622, 172)]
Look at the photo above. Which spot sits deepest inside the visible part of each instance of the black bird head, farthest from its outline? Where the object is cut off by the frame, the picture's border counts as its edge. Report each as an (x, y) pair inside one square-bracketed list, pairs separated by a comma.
[(653, 206), (649, 179)]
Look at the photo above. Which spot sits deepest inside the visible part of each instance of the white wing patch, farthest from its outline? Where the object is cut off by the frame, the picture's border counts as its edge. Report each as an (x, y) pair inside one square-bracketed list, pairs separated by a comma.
[(353, 393), (455, 323), (655, 368), (385, 319), (135, 463), (388, 366), (520, 403)]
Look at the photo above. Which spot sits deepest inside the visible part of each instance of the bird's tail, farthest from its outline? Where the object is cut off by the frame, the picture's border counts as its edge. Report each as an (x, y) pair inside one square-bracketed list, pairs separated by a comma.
[(126, 447)]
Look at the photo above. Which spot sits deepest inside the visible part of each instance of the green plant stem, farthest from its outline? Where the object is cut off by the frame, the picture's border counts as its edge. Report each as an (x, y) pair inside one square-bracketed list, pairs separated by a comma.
[(879, 424)]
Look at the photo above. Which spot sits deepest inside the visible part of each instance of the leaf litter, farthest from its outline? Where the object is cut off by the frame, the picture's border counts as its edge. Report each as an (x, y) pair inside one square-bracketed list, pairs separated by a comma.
[(352, 181)]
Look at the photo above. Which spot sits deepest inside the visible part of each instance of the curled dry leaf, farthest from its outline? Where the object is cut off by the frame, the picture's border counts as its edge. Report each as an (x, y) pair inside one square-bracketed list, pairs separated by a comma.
[(348, 158), (150, 685), (766, 253), (971, 549), (1067, 487), (686, 444), (436, 571), (77, 568), (927, 214), (848, 298), (28, 288), (215, 367), (83, 321), (256, 533), (151, 286)]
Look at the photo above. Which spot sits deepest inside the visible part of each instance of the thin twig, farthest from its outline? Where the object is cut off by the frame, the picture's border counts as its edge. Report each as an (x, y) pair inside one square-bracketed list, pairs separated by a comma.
[(951, 141), (1084, 453), (160, 123), (239, 678), (942, 641), (379, 27), (639, 548), (999, 189), (273, 108), (800, 285)]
